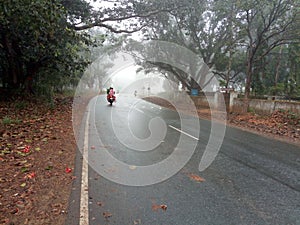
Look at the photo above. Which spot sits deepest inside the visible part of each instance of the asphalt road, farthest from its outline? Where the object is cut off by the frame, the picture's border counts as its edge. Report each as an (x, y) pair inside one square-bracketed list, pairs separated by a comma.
[(253, 179)]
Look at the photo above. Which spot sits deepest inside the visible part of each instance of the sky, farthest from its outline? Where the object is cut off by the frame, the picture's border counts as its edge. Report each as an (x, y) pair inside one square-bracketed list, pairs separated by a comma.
[(123, 74), (124, 77)]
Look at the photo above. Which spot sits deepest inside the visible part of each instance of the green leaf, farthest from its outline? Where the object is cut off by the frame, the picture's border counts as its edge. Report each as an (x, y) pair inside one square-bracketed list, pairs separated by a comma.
[(24, 169)]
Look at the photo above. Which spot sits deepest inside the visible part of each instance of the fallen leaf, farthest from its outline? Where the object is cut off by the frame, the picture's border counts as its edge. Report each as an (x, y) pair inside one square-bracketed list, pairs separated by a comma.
[(20, 204), (107, 215), (24, 169), (196, 177), (26, 149), (23, 185), (155, 207), (14, 211), (164, 207), (30, 176), (138, 221), (22, 154), (100, 204), (68, 170)]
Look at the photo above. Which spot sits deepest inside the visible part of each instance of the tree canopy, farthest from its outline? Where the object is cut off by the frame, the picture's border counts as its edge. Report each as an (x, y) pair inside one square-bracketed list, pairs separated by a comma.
[(236, 39), (247, 44), (37, 44), (44, 42)]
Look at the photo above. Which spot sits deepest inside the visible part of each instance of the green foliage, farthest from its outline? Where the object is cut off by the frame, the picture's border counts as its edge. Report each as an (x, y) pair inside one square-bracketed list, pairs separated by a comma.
[(37, 44), (279, 89), (8, 121), (44, 90), (68, 92), (293, 116), (20, 105), (291, 88), (251, 110), (222, 83)]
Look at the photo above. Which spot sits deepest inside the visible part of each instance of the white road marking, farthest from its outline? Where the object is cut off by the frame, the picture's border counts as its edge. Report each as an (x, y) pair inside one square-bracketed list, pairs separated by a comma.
[(139, 110), (191, 136), (187, 134), (84, 203)]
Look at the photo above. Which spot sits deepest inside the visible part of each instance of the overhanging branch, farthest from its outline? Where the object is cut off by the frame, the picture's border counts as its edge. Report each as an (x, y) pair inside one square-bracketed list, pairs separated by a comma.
[(102, 22), (112, 29)]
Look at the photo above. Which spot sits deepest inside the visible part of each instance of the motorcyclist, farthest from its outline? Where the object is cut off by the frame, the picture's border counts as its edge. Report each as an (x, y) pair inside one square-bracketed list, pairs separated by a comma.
[(111, 94)]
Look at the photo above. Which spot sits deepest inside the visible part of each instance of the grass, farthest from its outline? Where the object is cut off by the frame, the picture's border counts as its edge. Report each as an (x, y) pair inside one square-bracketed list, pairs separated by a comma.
[(8, 121), (21, 105)]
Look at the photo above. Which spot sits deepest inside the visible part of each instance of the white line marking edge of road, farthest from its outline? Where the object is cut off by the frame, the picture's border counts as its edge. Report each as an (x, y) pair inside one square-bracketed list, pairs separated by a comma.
[(84, 203)]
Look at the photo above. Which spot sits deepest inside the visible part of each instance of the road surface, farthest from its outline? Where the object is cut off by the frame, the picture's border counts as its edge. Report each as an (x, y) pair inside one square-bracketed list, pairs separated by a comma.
[(253, 179)]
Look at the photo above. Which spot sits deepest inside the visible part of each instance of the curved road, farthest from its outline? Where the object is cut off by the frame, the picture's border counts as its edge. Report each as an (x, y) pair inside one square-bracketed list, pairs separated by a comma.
[(253, 179)]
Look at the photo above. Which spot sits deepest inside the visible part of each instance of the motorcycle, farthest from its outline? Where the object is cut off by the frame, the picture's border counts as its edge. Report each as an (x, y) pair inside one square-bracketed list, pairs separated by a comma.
[(111, 99), (111, 96)]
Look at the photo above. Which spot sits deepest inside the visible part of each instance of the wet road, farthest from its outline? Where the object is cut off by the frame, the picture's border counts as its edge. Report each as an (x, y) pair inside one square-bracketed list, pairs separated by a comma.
[(253, 179)]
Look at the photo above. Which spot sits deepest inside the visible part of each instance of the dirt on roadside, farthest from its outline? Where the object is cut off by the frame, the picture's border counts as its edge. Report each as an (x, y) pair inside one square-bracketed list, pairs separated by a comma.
[(37, 154)]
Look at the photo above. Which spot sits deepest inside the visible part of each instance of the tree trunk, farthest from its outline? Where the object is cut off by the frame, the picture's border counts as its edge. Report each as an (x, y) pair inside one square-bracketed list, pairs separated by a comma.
[(278, 66), (14, 69), (228, 71), (248, 79)]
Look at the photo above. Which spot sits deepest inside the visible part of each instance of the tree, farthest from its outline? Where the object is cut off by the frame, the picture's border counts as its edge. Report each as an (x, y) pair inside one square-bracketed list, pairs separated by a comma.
[(217, 30), (267, 24), (294, 65), (230, 68), (207, 28), (35, 42), (44, 41)]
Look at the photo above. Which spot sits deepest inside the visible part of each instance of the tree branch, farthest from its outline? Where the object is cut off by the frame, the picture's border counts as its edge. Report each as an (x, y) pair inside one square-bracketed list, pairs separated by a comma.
[(114, 30), (111, 19), (101, 22)]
